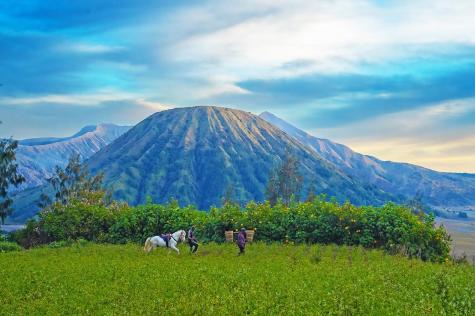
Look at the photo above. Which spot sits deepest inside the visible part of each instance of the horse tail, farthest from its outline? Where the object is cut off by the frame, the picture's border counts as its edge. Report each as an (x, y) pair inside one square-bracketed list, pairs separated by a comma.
[(147, 245)]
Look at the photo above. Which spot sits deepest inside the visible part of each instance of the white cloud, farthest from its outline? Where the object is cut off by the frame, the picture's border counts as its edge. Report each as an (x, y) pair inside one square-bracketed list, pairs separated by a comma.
[(91, 99), (87, 100), (218, 84), (156, 106), (88, 48), (331, 36)]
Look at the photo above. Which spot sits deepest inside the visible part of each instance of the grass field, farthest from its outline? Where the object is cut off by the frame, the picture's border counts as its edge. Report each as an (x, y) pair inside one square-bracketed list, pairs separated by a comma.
[(268, 280)]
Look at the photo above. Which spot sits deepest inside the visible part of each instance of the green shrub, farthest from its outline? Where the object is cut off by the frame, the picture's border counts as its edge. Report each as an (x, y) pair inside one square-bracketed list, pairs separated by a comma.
[(79, 219), (30, 236), (6, 246), (391, 227)]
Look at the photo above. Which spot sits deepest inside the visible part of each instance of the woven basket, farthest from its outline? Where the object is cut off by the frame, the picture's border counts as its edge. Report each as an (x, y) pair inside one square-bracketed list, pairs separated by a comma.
[(250, 235), (229, 234)]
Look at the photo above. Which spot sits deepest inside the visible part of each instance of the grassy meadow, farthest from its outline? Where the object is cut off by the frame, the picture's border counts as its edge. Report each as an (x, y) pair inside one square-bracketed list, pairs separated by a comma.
[(275, 279)]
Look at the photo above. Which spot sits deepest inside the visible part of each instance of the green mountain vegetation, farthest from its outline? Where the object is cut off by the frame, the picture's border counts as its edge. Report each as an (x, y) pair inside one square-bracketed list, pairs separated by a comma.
[(194, 154)]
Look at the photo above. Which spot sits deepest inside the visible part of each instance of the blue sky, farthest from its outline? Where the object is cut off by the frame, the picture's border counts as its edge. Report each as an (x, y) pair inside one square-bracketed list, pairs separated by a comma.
[(394, 79)]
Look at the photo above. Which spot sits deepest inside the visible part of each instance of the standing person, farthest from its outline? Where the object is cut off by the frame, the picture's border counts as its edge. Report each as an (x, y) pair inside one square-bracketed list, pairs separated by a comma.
[(192, 241), (241, 241)]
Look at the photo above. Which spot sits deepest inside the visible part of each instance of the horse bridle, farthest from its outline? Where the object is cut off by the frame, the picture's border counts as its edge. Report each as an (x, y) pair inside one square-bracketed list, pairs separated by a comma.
[(178, 238)]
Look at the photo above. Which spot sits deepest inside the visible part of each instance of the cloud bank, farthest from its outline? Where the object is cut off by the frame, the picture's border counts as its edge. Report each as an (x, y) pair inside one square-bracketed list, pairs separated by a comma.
[(391, 78)]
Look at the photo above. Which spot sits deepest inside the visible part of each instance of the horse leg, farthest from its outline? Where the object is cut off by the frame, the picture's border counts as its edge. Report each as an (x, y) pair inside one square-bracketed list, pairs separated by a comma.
[(175, 248)]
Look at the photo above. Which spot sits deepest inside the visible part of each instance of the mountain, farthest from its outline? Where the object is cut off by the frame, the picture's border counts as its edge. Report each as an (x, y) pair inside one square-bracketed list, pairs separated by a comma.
[(438, 189), (194, 154), (37, 157), (50, 140)]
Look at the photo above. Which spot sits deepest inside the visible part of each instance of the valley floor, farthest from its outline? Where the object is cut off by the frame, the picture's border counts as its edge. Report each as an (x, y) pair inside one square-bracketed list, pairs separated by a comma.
[(268, 280), (462, 233)]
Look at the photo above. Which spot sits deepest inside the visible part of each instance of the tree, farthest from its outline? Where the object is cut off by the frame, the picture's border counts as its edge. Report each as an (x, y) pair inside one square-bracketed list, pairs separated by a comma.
[(74, 181), (311, 193), (228, 197), (272, 190), (416, 205), (8, 175), (285, 182)]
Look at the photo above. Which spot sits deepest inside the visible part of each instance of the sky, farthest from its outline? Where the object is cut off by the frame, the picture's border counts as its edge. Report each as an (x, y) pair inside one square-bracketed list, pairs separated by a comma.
[(393, 79)]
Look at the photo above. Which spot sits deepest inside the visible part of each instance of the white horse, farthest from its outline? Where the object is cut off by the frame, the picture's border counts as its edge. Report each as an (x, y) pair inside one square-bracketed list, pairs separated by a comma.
[(153, 242)]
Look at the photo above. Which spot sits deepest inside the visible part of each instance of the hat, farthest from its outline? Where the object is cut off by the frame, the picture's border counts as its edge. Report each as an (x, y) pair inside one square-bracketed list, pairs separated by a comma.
[(243, 229)]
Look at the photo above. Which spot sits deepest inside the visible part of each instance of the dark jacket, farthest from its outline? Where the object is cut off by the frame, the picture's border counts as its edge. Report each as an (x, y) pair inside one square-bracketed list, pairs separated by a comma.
[(241, 239), (191, 235)]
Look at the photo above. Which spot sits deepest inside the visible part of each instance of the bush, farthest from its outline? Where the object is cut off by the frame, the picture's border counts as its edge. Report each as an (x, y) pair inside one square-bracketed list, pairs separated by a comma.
[(30, 236), (79, 219), (6, 246), (391, 227)]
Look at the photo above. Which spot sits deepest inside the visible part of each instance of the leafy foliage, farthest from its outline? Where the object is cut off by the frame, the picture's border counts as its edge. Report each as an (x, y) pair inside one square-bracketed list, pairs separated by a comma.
[(8, 175), (88, 215), (391, 227), (70, 182)]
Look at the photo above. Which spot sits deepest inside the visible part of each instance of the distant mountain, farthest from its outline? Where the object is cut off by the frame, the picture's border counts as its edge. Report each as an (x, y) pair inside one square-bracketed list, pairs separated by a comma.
[(438, 189), (194, 154), (37, 157)]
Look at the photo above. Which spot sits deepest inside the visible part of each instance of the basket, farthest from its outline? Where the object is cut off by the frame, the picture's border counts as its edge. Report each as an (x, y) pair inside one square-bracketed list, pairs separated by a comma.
[(229, 234), (250, 235)]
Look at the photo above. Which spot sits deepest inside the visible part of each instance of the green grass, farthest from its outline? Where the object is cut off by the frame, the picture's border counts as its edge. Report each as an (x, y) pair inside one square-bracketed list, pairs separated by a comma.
[(6, 246), (268, 280)]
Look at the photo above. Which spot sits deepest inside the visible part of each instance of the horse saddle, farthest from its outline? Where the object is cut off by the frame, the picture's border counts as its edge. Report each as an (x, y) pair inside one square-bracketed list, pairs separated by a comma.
[(166, 239)]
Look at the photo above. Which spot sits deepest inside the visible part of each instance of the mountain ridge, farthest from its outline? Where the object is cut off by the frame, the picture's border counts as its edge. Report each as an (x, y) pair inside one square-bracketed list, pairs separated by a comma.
[(37, 157), (439, 189)]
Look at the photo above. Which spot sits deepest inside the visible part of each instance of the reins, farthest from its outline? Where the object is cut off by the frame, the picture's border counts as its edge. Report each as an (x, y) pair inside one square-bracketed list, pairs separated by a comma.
[(177, 241)]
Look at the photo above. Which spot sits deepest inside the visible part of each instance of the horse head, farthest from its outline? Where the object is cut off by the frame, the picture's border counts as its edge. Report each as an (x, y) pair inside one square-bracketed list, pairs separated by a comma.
[(179, 235)]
